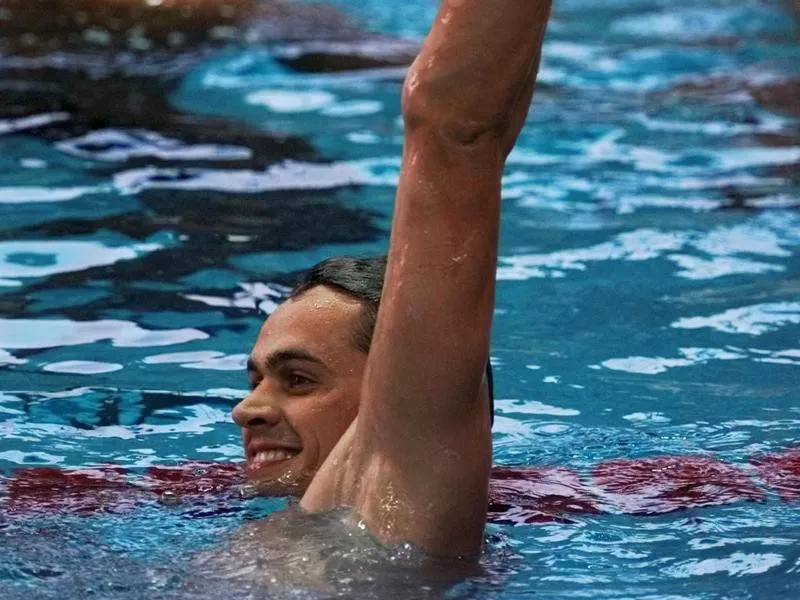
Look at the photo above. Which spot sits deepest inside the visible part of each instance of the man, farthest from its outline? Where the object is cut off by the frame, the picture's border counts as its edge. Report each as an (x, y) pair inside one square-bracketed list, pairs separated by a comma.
[(401, 434)]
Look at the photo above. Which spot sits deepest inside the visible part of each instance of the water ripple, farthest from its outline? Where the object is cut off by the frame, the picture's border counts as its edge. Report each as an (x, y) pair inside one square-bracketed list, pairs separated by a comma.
[(645, 335), (51, 333), (767, 236), (750, 320), (116, 146), (42, 258)]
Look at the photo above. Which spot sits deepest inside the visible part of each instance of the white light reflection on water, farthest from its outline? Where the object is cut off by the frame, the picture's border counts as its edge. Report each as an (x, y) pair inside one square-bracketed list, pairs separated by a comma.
[(737, 564), (51, 333), (35, 458), (6, 358), (34, 194), (533, 407), (749, 320), (291, 101), (192, 420), (654, 365), (688, 24), (8, 126), (289, 175), (82, 367), (769, 236), (218, 361), (265, 297), (693, 267), (42, 258), (114, 145)]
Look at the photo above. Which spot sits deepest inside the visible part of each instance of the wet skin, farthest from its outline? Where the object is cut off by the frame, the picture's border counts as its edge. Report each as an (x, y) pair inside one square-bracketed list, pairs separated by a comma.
[(305, 376)]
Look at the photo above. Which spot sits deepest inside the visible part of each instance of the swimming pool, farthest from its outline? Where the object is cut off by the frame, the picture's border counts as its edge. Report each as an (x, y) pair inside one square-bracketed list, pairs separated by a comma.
[(648, 303)]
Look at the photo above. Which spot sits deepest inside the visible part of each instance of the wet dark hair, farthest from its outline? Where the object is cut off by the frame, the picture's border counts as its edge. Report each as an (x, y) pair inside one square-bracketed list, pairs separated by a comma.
[(361, 278)]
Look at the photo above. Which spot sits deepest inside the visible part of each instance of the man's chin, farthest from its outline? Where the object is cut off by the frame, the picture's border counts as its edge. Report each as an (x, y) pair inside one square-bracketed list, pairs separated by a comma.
[(288, 483)]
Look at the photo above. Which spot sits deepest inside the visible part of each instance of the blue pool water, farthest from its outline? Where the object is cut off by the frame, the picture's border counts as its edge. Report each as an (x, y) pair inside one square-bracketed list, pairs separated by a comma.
[(648, 297)]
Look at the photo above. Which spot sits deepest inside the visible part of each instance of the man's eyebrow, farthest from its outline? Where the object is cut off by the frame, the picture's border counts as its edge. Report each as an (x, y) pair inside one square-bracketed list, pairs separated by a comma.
[(276, 359)]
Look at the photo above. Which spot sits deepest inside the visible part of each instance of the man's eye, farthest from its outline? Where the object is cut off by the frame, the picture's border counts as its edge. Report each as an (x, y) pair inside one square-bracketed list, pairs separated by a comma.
[(297, 380), (254, 383)]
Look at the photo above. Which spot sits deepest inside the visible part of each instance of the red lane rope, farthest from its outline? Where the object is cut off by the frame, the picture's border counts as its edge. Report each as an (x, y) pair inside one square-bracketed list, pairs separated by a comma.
[(780, 472), (522, 495), (518, 495), (45, 490)]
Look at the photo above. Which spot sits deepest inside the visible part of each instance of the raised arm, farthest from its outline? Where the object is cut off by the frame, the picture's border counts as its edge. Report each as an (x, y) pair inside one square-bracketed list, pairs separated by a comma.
[(421, 449)]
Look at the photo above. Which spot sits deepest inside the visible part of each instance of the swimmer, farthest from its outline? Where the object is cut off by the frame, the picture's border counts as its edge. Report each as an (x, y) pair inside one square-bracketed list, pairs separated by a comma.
[(381, 407)]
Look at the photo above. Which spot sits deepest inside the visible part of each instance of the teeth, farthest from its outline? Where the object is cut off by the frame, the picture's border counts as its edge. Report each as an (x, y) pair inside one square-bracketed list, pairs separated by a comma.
[(269, 456)]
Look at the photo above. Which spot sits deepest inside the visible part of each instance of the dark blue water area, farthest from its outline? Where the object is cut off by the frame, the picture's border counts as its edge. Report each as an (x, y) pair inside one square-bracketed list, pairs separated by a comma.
[(648, 297)]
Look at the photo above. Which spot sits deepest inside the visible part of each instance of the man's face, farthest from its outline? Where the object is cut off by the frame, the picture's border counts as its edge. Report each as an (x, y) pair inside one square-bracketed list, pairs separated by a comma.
[(305, 376)]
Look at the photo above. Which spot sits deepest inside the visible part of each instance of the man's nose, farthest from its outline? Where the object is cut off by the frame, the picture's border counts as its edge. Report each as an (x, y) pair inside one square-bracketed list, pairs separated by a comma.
[(256, 410)]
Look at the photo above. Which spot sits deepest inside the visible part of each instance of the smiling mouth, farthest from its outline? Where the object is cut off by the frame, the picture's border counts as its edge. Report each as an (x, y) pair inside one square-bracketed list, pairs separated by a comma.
[(268, 458)]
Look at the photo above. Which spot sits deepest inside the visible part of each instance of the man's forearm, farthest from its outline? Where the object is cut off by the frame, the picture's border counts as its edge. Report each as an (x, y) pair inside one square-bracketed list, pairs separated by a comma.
[(475, 71)]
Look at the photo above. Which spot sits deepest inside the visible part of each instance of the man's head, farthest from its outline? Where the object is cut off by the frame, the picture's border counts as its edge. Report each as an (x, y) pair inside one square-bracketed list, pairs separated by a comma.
[(305, 372)]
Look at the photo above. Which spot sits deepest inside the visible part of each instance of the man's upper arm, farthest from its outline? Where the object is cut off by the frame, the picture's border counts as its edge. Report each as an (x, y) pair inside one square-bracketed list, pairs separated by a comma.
[(423, 422)]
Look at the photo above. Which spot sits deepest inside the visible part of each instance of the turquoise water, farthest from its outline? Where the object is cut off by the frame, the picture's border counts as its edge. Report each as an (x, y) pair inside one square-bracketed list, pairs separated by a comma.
[(648, 297)]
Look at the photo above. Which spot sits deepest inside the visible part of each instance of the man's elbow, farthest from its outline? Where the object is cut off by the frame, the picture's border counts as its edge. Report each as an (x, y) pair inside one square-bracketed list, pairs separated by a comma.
[(430, 110)]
